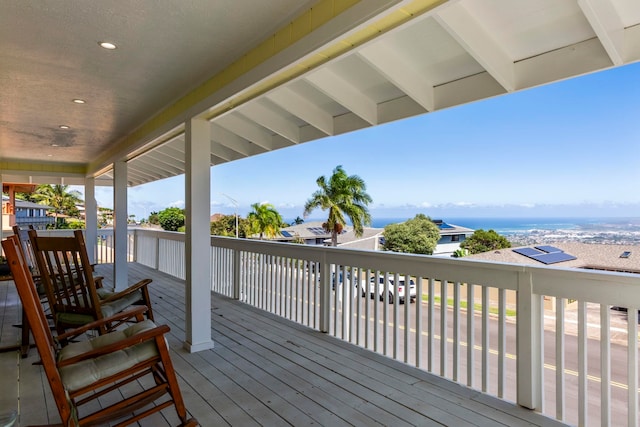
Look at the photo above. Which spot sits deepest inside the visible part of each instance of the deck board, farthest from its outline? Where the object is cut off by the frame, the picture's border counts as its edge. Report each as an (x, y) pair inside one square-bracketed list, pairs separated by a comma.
[(265, 370)]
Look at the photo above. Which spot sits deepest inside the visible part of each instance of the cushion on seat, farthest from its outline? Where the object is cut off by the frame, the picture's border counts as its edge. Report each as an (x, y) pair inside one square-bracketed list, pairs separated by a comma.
[(89, 371), (114, 307)]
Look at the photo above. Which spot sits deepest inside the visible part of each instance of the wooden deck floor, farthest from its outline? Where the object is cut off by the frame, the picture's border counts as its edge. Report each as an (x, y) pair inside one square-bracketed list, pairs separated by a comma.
[(265, 370)]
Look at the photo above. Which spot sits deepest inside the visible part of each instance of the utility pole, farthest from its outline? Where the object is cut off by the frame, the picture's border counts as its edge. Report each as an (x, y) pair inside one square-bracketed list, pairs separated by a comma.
[(235, 204)]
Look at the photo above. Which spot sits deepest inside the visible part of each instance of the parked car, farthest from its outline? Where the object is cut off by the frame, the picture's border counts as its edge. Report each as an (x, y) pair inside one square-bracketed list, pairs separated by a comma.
[(390, 289)]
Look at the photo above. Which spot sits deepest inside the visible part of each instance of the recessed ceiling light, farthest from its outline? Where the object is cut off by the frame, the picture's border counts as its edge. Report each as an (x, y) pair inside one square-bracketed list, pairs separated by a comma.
[(107, 45), (49, 155), (64, 127), (79, 101), (54, 145)]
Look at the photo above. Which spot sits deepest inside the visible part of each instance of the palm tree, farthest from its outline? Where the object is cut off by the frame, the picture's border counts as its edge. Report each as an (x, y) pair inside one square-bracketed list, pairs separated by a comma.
[(341, 195), (59, 198), (265, 219)]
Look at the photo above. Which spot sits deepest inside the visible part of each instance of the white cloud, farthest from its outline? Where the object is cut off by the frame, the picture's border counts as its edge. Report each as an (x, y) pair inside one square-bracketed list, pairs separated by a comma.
[(177, 204)]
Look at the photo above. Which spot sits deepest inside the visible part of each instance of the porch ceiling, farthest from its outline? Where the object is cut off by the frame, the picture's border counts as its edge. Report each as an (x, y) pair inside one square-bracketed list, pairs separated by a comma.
[(379, 61)]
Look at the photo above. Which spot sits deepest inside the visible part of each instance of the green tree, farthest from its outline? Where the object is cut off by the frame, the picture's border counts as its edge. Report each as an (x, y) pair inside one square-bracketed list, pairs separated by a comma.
[(485, 241), (153, 218), (298, 221), (226, 226), (418, 235), (341, 195), (61, 200), (265, 220), (171, 219)]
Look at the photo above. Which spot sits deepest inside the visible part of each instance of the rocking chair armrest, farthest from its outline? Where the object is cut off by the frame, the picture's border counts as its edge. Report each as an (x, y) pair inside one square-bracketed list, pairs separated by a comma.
[(123, 315), (131, 289), (119, 345)]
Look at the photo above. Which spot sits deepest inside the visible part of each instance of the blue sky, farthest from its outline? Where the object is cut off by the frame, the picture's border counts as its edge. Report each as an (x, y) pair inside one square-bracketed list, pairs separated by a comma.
[(567, 149)]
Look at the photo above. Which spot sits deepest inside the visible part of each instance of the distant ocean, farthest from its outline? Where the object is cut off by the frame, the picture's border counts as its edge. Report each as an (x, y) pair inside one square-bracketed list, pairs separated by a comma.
[(526, 225)]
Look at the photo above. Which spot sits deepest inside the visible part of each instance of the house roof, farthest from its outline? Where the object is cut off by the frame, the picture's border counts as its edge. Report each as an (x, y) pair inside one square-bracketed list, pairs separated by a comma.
[(268, 75), (306, 230), (597, 256), (447, 229), (25, 204)]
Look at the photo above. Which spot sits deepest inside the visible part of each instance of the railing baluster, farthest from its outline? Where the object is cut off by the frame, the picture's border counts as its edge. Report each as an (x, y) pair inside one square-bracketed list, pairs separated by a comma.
[(605, 365), (396, 316), (470, 336), (582, 363), (407, 316), (485, 339), (502, 341), (419, 322), (376, 287), (632, 362), (444, 296), (456, 330), (385, 315), (366, 308), (431, 325), (560, 349), (355, 286)]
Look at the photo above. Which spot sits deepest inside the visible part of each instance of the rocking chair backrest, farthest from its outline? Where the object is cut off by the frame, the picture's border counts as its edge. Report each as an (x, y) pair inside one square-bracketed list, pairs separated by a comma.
[(25, 246), (37, 320), (66, 274)]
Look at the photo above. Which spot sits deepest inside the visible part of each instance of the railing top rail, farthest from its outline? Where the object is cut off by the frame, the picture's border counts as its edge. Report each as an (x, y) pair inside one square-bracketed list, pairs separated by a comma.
[(612, 288)]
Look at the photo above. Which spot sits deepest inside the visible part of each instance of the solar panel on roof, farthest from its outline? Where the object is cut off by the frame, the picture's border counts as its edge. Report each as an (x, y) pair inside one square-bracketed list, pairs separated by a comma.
[(444, 226), (285, 233), (554, 257), (529, 252), (549, 249)]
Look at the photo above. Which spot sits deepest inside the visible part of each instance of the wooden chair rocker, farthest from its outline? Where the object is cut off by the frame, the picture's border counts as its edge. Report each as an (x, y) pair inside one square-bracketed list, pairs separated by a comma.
[(71, 289), (84, 371)]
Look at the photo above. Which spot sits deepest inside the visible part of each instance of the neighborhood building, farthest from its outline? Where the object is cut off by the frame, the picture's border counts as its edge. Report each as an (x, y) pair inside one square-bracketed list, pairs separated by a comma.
[(25, 214), (312, 233)]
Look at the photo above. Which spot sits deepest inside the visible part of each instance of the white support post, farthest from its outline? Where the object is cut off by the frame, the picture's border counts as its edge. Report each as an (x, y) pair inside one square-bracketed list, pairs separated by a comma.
[(198, 237), (91, 217), (529, 341), (120, 217)]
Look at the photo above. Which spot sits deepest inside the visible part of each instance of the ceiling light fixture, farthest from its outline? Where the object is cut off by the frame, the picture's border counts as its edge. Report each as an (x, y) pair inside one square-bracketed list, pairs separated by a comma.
[(54, 145), (79, 101), (107, 45), (64, 127)]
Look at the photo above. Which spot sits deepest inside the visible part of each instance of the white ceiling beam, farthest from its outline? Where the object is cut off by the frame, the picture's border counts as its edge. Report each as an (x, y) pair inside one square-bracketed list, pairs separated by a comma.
[(466, 30), (224, 152), (215, 160), (574, 60), (402, 71), (172, 152), (290, 101), (266, 117), (138, 175), (247, 130), (234, 142), (344, 93), (166, 162), (140, 165), (607, 25)]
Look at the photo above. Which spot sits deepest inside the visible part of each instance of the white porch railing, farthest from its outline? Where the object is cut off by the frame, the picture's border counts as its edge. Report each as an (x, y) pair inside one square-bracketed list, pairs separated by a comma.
[(577, 363)]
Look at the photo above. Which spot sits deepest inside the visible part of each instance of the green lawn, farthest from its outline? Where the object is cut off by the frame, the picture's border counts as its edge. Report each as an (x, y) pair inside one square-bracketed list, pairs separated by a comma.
[(463, 304)]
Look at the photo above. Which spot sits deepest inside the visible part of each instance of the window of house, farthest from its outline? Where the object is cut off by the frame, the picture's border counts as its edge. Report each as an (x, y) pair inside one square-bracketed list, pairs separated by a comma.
[(455, 238)]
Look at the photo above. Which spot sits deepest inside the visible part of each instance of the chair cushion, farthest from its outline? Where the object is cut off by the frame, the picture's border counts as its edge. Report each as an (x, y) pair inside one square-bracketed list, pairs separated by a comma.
[(89, 371), (113, 307)]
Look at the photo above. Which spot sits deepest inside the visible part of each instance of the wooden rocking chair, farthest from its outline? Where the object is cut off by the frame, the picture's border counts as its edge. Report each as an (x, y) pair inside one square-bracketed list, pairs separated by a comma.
[(84, 371), (72, 293)]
